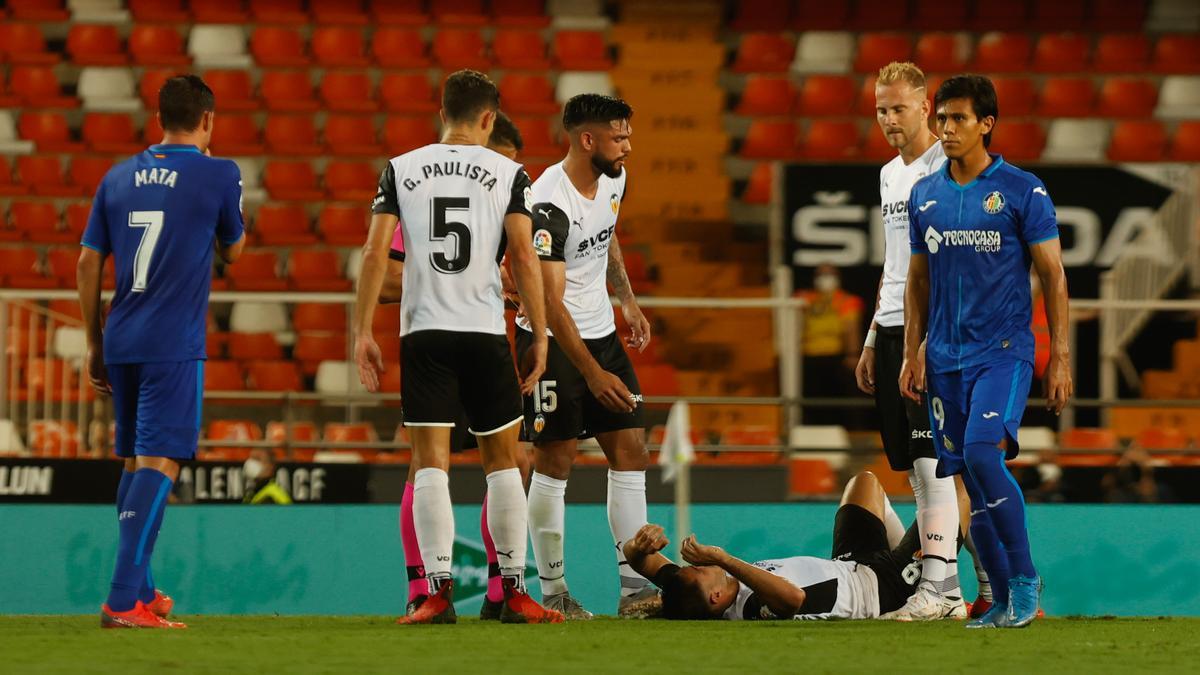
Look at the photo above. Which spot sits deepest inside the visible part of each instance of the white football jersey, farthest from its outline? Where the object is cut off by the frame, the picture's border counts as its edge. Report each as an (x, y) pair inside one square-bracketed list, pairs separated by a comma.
[(451, 201), (895, 183), (834, 589), (570, 228)]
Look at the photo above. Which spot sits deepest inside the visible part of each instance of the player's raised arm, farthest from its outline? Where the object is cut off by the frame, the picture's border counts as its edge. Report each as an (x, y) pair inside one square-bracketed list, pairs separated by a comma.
[(1047, 261), (618, 278), (781, 596)]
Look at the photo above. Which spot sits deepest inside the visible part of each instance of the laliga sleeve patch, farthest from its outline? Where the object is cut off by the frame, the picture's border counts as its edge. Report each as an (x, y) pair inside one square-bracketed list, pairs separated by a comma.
[(542, 242)]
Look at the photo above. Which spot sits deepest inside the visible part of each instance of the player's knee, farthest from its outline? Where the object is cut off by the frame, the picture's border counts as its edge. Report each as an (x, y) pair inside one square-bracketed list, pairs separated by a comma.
[(865, 480), (982, 456)]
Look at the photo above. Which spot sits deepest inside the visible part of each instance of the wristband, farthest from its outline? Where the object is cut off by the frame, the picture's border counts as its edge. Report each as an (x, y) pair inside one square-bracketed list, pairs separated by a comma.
[(870, 339)]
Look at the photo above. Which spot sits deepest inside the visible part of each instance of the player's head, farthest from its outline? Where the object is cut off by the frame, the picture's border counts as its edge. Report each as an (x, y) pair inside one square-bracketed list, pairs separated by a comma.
[(599, 128), (470, 101), (695, 593), (966, 113), (901, 103), (506, 137), (185, 107)]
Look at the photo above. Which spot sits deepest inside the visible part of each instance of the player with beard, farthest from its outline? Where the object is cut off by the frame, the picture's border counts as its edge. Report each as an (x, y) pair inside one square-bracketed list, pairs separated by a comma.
[(589, 388)]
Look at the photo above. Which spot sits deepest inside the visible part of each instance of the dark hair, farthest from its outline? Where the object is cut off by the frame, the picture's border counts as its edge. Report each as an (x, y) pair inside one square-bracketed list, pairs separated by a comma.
[(468, 93), (588, 108), (978, 89), (182, 101), (507, 133), (682, 598)]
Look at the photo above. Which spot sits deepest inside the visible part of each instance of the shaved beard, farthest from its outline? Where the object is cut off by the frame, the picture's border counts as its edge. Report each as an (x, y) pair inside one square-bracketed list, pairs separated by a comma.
[(608, 168)]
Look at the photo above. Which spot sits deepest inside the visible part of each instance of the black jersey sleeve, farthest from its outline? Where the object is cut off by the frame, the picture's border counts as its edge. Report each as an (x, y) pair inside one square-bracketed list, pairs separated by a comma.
[(550, 228), (521, 199), (386, 201)]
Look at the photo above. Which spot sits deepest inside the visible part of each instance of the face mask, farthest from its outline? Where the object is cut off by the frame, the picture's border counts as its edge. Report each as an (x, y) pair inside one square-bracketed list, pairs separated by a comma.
[(826, 283), (252, 468)]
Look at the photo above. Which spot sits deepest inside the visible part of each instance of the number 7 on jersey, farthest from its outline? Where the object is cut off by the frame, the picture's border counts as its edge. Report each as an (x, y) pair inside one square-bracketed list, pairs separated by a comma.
[(152, 222)]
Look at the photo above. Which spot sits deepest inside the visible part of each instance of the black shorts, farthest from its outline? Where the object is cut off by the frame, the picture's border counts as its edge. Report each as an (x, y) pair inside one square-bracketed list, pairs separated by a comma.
[(563, 408), (447, 375), (860, 536), (903, 423)]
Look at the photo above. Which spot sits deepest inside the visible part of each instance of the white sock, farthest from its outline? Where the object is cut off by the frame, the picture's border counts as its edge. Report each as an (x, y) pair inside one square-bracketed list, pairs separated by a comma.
[(626, 515), (546, 515), (506, 517), (891, 522), (937, 521), (981, 575), (433, 518)]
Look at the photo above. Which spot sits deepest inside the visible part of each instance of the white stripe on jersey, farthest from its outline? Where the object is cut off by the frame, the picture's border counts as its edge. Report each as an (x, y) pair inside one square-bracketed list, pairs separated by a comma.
[(856, 590)]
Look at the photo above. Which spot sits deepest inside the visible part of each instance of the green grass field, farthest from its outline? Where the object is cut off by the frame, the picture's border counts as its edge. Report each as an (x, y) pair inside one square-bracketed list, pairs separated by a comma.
[(212, 644)]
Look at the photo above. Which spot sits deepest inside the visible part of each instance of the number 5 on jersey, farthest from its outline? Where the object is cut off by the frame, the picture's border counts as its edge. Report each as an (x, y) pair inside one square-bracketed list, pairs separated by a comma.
[(152, 222), (545, 399)]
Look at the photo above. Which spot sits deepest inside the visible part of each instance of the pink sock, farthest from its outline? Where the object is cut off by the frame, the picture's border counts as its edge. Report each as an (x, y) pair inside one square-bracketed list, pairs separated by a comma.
[(495, 591), (417, 585)]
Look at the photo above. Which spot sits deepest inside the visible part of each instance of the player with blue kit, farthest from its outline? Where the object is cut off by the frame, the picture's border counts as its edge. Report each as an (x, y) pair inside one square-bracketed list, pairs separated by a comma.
[(161, 215), (975, 227)]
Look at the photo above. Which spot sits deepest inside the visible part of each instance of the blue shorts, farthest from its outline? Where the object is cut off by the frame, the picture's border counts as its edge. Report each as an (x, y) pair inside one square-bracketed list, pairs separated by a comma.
[(982, 404), (157, 408)]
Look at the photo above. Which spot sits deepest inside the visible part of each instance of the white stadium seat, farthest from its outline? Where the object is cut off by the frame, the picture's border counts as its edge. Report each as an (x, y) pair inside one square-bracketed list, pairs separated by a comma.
[(1179, 97), (824, 52), (219, 47), (70, 343), (573, 83), (338, 377), (258, 317), (10, 143), (108, 89), (1076, 140)]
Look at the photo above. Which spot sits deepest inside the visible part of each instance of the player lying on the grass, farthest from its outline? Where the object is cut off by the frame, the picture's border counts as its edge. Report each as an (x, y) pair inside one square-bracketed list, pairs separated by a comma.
[(875, 567)]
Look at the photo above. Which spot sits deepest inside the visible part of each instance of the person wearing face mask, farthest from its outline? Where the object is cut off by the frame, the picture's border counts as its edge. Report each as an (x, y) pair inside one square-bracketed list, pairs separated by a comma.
[(259, 473), (831, 337)]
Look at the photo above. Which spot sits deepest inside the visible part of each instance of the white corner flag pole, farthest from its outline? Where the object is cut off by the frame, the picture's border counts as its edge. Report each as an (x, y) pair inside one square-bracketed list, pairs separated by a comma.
[(676, 456)]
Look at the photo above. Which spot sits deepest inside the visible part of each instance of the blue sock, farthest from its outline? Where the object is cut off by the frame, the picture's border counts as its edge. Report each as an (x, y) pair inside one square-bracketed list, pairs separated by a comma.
[(139, 520), (1004, 502), (987, 542), (146, 592)]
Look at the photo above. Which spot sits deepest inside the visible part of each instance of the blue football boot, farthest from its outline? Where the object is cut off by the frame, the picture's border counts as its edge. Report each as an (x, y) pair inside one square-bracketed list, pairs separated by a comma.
[(1024, 595)]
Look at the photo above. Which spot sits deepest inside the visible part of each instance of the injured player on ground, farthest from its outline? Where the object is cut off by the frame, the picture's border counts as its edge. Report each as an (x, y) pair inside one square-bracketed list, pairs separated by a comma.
[(874, 568)]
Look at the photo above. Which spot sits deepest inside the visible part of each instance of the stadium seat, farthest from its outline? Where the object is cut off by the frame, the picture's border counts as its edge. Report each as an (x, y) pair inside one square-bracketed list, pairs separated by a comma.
[(1067, 97), (404, 133), (313, 348), (942, 52), (1122, 53), (75, 219), (766, 95), (820, 15), (316, 271), (1015, 95), (930, 15), (24, 44), (260, 317), (7, 186), (770, 139), (538, 137), (752, 15), (1138, 141), (339, 46), (44, 176), (255, 271), (7, 100), (1061, 53), (283, 225), (459, 12), (88, 170), (318, 317), (37, 222), (157, 46), (338, 12), (350, 92), (751, 435), (39, 87), (38, 10), (520, 49), (48, 374), (407, 92), (528, 94), (876, 15), (279, 11), (111, 132), (342, 225), (1081, 438), (1177, 53), (223, 376), (1128, 97), (289, 90), (580, 50), (824, 52), (158, 11), (764, 53), (1179, 97), (1163, 439), (292, 135), (395, 47), (1185, 144), (1076, 140), (351, 181), (233, 88), (277, 46), (1058, 15), (876, 148), (831, 140), (218, 46), (235, 134), (48, 130), (254, 347), (876, 50), (357, 432), (233, 430), (152, 81), (108, 88), (660, 380), (1002, 52), (291, 180), (829, 95), (19, 269), (299, 432), (455, 48), (350, 135), (95, 45), (1019, 140), (572, 84), (1117, 15), (61, 262), (520, 13), (991, 16), (219, 11)]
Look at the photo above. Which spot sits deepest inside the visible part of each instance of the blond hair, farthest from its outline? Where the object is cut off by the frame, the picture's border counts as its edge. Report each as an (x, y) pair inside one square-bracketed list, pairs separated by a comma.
[(901, 71)]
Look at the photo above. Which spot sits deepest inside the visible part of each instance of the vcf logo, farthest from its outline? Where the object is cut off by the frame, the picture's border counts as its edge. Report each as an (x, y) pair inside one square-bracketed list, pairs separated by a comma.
[(933, 239)]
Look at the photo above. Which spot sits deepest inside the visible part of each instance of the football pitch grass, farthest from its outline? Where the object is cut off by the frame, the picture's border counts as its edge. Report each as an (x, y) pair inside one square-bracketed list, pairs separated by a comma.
[(270, 644)]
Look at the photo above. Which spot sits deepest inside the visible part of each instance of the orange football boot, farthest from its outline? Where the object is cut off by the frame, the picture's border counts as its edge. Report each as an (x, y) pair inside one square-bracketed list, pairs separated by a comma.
[(161, 605), (437, 608), (520, 608), (138, 617)]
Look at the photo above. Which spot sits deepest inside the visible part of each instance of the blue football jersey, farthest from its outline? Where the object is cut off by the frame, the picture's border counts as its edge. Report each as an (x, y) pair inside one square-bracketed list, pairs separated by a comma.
[(158, 214), (977, 238)]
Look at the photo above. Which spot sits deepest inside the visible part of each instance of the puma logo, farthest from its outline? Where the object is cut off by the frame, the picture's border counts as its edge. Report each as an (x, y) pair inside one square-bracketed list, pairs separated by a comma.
[(506, 554), (544, 212)]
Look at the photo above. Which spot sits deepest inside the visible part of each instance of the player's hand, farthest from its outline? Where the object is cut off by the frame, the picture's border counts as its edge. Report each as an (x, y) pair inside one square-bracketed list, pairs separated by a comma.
[(700, 554), (864, 372), (97, 374), (611, 392), (639, 327), (649, 539), (369, 360), (1059, 385), (533, 365), (909, 387)]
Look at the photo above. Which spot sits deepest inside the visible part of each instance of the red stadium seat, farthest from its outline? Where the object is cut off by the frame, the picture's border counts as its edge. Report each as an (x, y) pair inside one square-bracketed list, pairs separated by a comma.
[(275, 376), (158, 11), (1117, 15), (223, 376), (19, 269), (820, 15), (342, 225), (7, 186), (254, 347), (153, 80), (878, 15), (810, 477), (277, 46), (1002, 52), (43, 175), (455, 48), (283, 225), (43, 374), (38, 10), (876, 50), (989, 16), (1128, 97), (399, 48), (338, 12), (1138, 141), (938, 15), (49, 130), (351, 135), (1058, 15), (302, 432), (1019, 141), (256, 271), (1177, 53), (292, 135), (518, 49), (876, 147), (1185, 145), (766, 95), (407, 92), (1158, 438), (88, 170), (758, 188), (401, 134), (770, 139), (39, 87), (235, 135), (1122, 53), (765, 53), (580, 50), (661, 380), (38, 222), (316, 316), (289, 90), (219, 11), (339, 46), (23, 43), (751, 435), (61, 262), (233, 89), (291, 180), (358, 432), (1082, 438), (528, 94), (941, 52), (750, 15), (76, 218), (351, 181), (234, 431), (157, 46), (866, 96), (313, 348), (1062, 53), (111, 132), (316, 271), (520, 13), (279, 11), (350, 92), (1015, 95), (831, 139), (1067, 97), (91, 45), (459, 12), (828, 95), (538, 137)]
